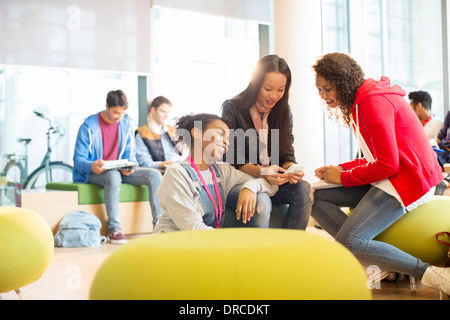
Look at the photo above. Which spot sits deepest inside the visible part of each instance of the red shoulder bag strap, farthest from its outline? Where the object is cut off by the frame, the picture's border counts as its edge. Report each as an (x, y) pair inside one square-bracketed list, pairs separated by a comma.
[(447, 265)]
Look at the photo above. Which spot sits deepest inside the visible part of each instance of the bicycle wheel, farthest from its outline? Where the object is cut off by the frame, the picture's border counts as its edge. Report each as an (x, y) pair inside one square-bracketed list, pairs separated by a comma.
[(13, 173), (13, 178), (59, 172)]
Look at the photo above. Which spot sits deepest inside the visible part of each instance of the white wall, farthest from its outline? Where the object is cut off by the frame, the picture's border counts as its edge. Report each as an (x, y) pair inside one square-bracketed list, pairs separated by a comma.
[(85, 34), (298, 39)]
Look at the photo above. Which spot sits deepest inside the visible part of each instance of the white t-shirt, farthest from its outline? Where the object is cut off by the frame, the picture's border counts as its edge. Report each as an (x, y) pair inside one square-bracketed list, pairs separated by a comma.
[(433, 127)]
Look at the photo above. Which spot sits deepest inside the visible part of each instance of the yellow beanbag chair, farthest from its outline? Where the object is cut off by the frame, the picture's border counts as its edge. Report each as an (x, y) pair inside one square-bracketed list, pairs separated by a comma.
[(415, 232), (26, 247), (231, 264)]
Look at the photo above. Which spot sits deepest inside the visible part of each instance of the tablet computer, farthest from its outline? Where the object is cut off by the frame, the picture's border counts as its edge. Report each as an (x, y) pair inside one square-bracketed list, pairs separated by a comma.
[(122, 164)]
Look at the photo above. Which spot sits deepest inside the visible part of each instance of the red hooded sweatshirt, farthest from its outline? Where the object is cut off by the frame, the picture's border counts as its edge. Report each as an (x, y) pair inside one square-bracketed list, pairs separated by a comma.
[(396, 140)]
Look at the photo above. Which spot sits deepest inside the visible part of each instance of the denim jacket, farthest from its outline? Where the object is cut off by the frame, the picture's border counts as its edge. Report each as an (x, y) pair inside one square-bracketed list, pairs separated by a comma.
[(89, 146)]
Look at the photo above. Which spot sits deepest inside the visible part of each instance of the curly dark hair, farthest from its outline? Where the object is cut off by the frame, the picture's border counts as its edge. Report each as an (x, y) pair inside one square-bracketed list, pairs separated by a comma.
[(346, 76), (186, 123)]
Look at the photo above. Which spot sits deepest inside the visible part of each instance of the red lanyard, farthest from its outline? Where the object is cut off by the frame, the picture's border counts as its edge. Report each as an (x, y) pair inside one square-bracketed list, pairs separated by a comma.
[(216, 187)]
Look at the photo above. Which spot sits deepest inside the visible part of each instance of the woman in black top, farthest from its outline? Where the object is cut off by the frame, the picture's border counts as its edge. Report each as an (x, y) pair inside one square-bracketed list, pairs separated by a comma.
[(261, 139)]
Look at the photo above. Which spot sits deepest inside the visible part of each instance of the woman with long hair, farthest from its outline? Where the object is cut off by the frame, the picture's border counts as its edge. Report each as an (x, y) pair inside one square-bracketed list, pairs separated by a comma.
[(262, 141), (398, 173)]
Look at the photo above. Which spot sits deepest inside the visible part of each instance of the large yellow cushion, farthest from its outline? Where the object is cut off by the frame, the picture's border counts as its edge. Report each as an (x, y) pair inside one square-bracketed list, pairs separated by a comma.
[(415, 232), (231, 264), (26, 247)]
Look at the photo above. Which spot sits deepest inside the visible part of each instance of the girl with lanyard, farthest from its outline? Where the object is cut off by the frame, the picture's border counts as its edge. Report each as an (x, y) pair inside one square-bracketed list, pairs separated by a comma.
[(193, 192)]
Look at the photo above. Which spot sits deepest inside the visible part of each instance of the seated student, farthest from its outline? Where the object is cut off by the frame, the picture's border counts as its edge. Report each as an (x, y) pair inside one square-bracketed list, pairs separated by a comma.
[(398, 173), (420, 102), (108, 135), (262, 123), (155, 147), (443, 139), (193, 192)]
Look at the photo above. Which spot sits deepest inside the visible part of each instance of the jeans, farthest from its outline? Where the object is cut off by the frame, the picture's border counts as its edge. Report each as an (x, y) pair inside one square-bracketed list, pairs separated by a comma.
[(297, 196), (374, 212), (111, 181), (260, 219)]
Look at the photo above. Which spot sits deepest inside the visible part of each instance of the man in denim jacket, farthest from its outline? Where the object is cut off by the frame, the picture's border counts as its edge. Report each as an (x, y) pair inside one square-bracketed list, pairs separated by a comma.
[(108, 135)]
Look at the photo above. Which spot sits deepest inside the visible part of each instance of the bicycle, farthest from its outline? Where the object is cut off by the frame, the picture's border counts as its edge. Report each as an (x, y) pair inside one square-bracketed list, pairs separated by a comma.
[(15, 172)]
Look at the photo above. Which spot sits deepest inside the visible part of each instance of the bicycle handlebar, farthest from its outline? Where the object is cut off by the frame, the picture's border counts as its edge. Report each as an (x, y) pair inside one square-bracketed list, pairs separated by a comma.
[(53, 125), (40, 114)]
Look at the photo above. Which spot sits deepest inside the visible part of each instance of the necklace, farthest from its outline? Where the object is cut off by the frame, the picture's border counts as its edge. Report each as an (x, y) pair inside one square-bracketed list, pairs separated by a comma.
[(217, 208), (424, 122)]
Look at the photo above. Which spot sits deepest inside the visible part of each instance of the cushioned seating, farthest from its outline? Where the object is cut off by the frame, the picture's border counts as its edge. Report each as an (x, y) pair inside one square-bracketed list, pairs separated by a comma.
[(415, 232), (231, 264), (26, 248), (93, 194)]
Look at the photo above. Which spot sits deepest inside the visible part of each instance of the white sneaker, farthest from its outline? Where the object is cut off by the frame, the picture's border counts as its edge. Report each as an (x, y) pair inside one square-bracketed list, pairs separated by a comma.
[(437, 278)]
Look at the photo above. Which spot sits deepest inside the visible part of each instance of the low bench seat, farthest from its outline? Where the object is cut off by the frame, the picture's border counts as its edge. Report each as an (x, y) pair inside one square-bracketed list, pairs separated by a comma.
[(135, 215), (93, 194)]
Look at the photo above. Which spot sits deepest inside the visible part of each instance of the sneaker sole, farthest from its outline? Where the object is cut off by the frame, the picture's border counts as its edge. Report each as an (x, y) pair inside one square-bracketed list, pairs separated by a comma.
[(115, 241)]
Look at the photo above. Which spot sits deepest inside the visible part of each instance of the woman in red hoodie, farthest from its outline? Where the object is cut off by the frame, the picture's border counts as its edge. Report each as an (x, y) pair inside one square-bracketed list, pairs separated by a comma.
[(398, 173)]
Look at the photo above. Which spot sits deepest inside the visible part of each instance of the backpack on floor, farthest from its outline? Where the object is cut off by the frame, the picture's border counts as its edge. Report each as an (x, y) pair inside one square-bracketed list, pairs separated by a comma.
[(79, 229)]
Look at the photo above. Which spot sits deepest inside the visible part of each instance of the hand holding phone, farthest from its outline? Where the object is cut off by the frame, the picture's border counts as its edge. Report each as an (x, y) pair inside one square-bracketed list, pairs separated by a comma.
[(295, 168)]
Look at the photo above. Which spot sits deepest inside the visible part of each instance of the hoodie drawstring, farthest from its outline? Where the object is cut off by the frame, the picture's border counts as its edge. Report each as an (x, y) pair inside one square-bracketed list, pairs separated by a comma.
[(358, 134)]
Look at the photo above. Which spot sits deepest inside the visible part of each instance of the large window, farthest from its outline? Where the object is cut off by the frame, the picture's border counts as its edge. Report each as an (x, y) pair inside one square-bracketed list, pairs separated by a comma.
[(400, 39), (338, 140), (405, 44), (200, 60), (67, 96)]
